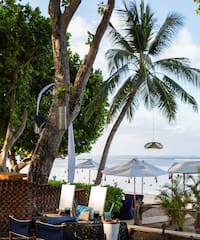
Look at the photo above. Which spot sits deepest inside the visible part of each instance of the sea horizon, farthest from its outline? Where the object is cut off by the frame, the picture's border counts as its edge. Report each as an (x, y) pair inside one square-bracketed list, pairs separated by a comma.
[(151, 185)]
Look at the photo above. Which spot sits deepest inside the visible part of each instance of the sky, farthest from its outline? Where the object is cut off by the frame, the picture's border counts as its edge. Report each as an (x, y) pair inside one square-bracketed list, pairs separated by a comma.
[(181, 137)]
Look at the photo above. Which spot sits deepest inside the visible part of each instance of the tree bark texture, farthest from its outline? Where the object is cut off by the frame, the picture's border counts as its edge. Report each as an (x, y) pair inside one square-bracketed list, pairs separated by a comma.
[(48, 144)]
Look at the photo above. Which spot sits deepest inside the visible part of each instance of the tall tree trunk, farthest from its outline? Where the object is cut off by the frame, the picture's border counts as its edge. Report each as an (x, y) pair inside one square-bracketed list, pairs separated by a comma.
[(48, 144), (110, 138), (12, 136)]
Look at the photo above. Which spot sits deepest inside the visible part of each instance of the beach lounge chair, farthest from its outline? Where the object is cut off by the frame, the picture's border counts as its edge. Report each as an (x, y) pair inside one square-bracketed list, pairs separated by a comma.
[(20, 228), (66, 200), (67, 197), (47, 231), (96, 203), (97, 199), (64, 212)]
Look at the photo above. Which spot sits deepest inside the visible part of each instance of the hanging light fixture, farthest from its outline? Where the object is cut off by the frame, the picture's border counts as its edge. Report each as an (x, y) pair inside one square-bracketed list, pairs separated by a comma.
[(153, 143), (156, 145)]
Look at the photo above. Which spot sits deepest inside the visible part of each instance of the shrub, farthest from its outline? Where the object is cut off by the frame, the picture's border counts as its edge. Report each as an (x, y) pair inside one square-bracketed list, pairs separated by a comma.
[(114, 194), (174, 198)]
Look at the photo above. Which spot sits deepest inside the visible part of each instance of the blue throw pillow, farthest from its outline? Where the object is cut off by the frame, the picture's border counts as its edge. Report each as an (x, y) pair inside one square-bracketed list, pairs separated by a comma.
[(82, 212), (61, 219)]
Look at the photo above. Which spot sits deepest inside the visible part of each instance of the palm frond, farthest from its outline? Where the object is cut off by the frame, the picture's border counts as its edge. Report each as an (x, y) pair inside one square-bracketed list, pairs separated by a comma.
[(165, 99), (118, 58), (180, 92), (108, 87), (132, 108), (130, 86), (166, 33), (118, 39), (136, 25), (181, 68), (98, 100)]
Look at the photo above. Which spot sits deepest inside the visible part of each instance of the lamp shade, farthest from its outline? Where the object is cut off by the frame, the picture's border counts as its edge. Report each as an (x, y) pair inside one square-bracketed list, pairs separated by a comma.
[(155, 145)]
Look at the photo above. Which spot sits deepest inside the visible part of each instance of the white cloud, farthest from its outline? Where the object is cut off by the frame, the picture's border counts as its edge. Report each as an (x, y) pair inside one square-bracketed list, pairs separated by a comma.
[(183, 46), (78, 29)]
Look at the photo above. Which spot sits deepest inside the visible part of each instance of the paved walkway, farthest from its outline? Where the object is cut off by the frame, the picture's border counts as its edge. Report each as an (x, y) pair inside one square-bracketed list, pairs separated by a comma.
[(149, 220)]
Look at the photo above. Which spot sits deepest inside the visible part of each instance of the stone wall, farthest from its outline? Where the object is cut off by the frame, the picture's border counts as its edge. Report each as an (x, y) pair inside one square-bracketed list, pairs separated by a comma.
[(25, 200)]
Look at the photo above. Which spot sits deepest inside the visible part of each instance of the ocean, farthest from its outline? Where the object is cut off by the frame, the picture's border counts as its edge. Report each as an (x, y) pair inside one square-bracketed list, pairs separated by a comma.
[(150, 185)]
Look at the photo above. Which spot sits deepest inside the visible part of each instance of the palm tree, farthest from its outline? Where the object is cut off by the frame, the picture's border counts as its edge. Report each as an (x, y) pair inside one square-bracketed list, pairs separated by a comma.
[(137, 71), (174, 200)]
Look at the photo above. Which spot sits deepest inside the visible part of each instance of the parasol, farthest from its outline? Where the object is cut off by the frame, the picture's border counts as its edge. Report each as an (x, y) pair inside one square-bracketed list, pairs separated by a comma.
[(90, 164)]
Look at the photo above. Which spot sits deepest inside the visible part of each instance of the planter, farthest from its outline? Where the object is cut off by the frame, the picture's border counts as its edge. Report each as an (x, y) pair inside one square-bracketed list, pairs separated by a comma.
[(111, 229)]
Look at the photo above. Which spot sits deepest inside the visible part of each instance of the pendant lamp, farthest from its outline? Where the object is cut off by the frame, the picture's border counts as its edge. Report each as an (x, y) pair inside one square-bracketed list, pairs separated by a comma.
[(153, 144)]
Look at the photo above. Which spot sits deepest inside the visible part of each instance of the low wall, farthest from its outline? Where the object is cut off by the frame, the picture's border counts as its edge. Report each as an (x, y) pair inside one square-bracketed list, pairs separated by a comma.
[(26, 200), (148, 233)]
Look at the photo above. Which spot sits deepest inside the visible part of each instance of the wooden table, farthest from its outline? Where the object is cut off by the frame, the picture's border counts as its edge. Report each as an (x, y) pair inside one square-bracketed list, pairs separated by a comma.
[(87, 230), (12, 176), (92, 231), (84, 230)]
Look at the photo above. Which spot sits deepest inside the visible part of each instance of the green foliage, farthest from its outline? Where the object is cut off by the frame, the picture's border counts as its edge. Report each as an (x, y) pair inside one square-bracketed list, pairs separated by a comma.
[(137, 73), (25, 62), (56, 182), (198, 9), (114, 195), (90, 38), (65, 3), (137, 48), (101, 8), (26, 67), (194, 189), (61, 92), (174, 198)]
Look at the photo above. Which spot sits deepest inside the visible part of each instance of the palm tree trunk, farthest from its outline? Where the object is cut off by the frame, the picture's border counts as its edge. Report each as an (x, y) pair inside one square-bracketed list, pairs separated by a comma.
[(111, 136)]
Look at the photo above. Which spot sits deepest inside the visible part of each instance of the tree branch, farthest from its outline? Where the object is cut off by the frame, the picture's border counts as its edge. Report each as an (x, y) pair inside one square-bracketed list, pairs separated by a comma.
[(54, 9), (69, 12), (65, 17), (22, 127), (16, 167), (85, 69)]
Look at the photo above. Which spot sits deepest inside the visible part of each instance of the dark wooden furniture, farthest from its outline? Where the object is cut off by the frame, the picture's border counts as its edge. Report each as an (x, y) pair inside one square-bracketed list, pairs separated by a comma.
[(84, 230), (21, 228)]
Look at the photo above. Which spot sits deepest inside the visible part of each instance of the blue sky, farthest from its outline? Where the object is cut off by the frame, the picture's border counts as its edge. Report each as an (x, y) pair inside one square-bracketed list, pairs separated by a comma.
[(179, 138)]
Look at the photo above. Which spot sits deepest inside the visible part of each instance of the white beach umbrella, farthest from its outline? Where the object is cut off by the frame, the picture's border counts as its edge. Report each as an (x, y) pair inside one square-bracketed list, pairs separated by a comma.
[(88, 164), (134, 168), (187, 167)]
